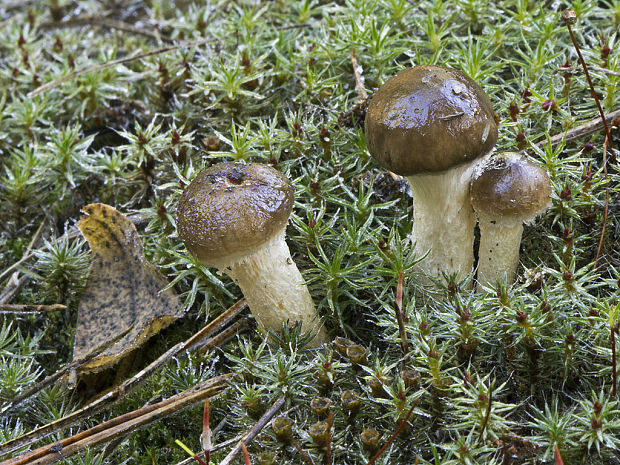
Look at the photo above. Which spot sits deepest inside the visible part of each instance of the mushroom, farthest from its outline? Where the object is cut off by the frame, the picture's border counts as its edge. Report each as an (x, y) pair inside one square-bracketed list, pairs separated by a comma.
[(506, 191), (233, 217), (432, 124)]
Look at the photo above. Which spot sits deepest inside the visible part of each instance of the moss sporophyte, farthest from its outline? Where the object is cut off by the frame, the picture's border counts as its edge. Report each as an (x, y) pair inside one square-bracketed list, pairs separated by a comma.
[(422, 355)]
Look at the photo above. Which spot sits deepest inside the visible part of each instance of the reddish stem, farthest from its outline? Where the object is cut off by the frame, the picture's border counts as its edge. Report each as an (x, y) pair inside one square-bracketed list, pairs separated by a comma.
[(328, 446), (393, 436), (246, 455), (613, 359), (557, 456)]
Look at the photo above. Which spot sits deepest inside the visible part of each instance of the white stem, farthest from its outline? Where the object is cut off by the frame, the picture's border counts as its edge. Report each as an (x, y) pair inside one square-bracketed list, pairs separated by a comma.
[(498, 255), (275, 290), (444, 221)]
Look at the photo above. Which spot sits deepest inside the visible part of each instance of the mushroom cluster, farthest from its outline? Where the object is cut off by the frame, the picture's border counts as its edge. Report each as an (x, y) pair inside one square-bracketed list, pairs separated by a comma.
[(233, 217), (432, 124), (506, 191)]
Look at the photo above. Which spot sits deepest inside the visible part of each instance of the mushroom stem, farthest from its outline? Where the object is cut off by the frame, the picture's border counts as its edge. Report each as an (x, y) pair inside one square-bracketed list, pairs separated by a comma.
[(499, 250), (444, 221), (275, 290)]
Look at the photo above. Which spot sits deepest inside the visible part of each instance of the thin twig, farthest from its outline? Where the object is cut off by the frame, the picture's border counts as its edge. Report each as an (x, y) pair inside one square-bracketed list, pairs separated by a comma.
[(15, 283), (53, 377), (571, 69), (257, 428), (96, 68), (121, 425), (393, 436), (359, 83), (118, 392), (28, 253), (585, 129), (221, 338), (106, 23), (29, 308), (567, 21)]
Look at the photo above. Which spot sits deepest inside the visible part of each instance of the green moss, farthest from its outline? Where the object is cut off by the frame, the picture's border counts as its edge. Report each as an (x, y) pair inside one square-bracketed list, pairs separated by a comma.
[(501, 375)]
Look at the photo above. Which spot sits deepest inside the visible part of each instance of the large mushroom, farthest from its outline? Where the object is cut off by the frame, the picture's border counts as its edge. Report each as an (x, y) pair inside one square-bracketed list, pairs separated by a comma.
[(233, 217), (506, 191), (432, 124)]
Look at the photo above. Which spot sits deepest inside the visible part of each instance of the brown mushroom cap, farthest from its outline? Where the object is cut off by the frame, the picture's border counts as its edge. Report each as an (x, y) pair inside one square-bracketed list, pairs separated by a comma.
[(427, 119), (508, 185), (232, 209)]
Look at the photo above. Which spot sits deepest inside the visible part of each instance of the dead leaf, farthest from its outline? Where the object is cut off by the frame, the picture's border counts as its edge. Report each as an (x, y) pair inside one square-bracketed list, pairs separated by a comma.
[(123, 289)]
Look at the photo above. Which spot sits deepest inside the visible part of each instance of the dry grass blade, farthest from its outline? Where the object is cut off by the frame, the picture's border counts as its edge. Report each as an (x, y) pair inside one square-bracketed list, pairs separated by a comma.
[(53, 377), (124, 387), (120, 425), (257, 428)]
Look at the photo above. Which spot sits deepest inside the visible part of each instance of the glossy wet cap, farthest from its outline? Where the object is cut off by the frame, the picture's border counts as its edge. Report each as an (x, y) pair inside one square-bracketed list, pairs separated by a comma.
[(427, 119), (230, 209), (508, 185)]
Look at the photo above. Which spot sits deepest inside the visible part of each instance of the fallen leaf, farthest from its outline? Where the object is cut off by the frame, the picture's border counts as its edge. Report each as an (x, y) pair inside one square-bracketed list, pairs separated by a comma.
[(123, 289)]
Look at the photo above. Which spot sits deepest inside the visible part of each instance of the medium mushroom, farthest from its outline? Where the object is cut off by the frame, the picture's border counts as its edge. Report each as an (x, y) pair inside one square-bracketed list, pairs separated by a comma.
[(506, 191), (432, 124), (233, 217)]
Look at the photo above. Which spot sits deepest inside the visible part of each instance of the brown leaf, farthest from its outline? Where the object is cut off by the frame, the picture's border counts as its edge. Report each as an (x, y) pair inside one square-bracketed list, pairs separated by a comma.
[(123, 289)]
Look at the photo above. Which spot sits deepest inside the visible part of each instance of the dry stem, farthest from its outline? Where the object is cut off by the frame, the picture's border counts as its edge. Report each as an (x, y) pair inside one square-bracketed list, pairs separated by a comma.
[(123, 388), (257, 428), (121, 425)]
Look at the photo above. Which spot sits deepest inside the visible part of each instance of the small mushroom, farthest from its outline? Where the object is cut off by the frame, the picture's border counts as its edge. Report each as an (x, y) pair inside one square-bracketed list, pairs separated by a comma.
[(233, 217), (431, 124), (506, 191)]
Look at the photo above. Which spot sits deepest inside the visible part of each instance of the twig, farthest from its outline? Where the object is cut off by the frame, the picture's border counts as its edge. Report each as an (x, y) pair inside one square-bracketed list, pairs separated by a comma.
[(28, 252), (106, 23), (219, 339), (53, 377), (359, 83), (571, 69), (205, 439), (393, 436), (28, 308), (121, 425), (570, 17), (15, 283), (257, 428), (95, 68), (97, 405), (585, 129)]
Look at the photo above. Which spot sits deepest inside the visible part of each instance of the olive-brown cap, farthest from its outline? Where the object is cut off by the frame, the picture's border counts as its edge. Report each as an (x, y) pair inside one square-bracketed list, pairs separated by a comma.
[(510, 186), (427, 119), (231, 209)]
